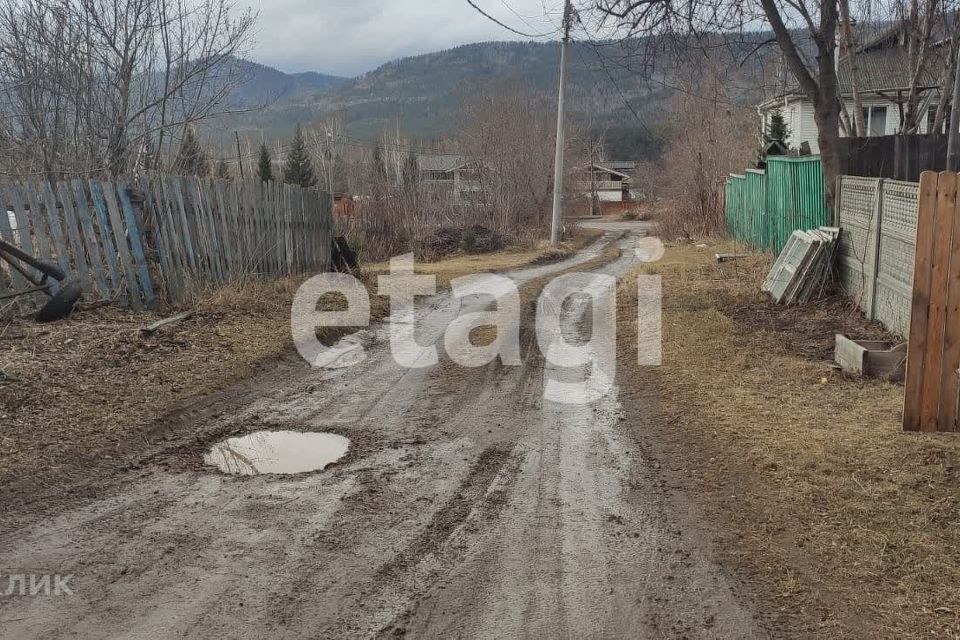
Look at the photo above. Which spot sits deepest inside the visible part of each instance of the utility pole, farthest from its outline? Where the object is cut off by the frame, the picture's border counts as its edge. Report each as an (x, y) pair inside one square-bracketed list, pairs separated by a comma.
[(593, 180), (239, 156), (558, 156), (953, 152)]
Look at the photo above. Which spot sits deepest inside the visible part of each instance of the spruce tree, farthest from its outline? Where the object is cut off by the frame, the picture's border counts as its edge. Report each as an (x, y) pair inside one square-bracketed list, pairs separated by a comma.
[(264, 164), (298, 169), (191, 158), (777, 129)]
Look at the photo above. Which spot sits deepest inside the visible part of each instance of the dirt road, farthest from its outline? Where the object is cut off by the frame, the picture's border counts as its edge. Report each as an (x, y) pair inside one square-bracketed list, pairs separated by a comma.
[(468, 506)]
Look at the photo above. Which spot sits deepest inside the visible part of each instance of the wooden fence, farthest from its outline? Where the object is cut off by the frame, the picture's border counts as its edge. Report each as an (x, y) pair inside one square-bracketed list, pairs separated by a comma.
[(933, 355), (163, 237), (895, 157)]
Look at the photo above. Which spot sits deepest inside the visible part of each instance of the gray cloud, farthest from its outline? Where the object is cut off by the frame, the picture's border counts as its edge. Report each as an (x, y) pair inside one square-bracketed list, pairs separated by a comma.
[(348, 37)]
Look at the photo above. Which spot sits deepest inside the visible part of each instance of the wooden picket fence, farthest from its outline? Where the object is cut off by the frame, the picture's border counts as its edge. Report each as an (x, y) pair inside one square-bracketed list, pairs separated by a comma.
[(162, 238), (933, 356)]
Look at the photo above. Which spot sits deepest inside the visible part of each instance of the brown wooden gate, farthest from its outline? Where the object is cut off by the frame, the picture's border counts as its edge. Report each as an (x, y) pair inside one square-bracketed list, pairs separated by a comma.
[(931, 394)]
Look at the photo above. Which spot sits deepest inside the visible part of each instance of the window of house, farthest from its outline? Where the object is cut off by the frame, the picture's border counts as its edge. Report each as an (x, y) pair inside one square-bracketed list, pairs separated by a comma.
[(875, 120), (932, 115)]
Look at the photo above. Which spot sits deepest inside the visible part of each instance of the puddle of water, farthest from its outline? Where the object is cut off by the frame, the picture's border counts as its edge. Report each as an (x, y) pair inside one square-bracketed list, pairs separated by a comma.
[(283, 452)]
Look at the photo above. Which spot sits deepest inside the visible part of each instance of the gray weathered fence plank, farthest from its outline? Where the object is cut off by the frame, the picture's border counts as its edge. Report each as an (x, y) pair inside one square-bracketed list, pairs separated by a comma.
[(184, 230), (37, 224), (165, 254), (73, 235), (123, 249), (135, 235), (106, 235), (8, 234)]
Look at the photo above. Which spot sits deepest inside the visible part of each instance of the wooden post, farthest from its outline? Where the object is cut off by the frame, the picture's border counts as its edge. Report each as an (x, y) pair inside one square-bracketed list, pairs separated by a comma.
[(926, 213), (930, 397)]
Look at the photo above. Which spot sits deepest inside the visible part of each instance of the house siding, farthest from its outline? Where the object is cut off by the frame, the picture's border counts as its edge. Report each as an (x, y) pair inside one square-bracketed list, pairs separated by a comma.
[(799, 116)]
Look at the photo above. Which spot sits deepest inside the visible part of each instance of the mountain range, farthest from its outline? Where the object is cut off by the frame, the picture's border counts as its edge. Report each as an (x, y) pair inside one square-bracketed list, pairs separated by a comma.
[(421, 95)]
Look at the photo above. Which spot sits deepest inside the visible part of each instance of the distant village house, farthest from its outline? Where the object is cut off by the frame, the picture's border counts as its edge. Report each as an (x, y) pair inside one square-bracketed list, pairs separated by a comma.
[(880, 70)]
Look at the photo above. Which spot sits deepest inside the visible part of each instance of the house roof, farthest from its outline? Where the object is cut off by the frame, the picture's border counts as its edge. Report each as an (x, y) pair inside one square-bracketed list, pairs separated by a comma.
[(888, 69), (619, 165), (606, 166), (442, 162), (883, 65)]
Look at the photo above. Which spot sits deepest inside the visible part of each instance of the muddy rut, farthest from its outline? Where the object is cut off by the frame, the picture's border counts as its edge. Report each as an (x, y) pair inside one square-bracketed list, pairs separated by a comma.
[(468, 507)]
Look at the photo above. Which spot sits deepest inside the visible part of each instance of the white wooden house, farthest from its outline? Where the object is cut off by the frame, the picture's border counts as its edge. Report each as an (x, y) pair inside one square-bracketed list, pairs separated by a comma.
[(609, 179), (882, 79)]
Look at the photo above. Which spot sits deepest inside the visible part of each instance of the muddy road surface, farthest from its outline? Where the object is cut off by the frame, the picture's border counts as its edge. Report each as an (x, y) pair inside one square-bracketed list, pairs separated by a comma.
[(468, 506)]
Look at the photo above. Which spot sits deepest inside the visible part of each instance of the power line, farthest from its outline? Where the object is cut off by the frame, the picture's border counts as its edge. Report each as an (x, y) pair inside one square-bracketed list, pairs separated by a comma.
[(616, 85), (649, 78), (505, 26), (524, 20)]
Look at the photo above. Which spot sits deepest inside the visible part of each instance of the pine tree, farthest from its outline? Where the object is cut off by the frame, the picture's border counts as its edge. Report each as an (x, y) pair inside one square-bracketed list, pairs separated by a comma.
[(777, 129), (298, 169), (191, 158), (222, 171), (264, 164)]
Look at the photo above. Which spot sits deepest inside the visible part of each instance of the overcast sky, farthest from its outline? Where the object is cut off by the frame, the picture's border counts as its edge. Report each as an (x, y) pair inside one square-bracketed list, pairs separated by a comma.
[(348, 37)]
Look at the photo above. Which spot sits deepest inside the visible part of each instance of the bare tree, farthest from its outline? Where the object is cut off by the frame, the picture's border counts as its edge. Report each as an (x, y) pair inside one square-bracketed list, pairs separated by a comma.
[(328, 143), (87, 86), (708, 140), (791, 21)]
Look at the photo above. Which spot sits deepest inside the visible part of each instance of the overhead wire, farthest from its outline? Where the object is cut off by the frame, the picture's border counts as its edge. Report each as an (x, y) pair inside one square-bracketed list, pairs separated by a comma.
[(506, 26)]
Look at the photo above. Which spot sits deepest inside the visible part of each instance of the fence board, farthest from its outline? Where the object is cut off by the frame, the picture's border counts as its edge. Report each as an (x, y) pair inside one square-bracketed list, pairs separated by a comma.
[(73, 235), (937, 296), (106, 235), (947, 391), (135, 235), (160, 239), (37, 224), (75, 209), (58, 244), (123, 250), (926, 215), (6, 232), (225, 228)]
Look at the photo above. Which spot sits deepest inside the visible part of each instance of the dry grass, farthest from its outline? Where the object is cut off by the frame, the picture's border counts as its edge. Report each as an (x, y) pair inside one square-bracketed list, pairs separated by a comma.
[(462, 264), (845, 526)]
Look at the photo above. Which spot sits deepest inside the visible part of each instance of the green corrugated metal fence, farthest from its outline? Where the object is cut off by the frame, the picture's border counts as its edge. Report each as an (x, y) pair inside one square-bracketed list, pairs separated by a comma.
[(765, 207)]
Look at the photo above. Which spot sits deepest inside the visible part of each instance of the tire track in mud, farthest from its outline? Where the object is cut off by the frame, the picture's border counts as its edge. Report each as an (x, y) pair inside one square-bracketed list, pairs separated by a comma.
[(457, 526), (350, 552)]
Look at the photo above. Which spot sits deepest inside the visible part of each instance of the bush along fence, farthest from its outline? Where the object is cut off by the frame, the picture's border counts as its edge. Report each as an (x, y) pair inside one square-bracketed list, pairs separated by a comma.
[(161, 238), (764, 207), (878, 219)]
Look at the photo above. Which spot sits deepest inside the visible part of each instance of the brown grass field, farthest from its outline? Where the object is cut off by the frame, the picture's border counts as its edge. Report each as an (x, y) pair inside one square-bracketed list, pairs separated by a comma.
[(842, 525)]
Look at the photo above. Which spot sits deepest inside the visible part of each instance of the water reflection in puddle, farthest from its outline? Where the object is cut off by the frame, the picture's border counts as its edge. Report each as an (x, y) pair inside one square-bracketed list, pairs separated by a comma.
[(277, 452)]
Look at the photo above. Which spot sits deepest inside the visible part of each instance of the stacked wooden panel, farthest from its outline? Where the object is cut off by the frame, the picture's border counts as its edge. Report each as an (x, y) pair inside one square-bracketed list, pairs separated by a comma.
[(801, 270)]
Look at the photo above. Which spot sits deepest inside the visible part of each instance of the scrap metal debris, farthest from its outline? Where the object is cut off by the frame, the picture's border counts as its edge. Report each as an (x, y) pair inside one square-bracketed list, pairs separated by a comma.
[(802, 269)]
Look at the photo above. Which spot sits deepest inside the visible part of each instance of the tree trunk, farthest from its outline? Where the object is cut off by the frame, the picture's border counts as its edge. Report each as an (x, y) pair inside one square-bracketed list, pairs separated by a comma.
[(827, 115)]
